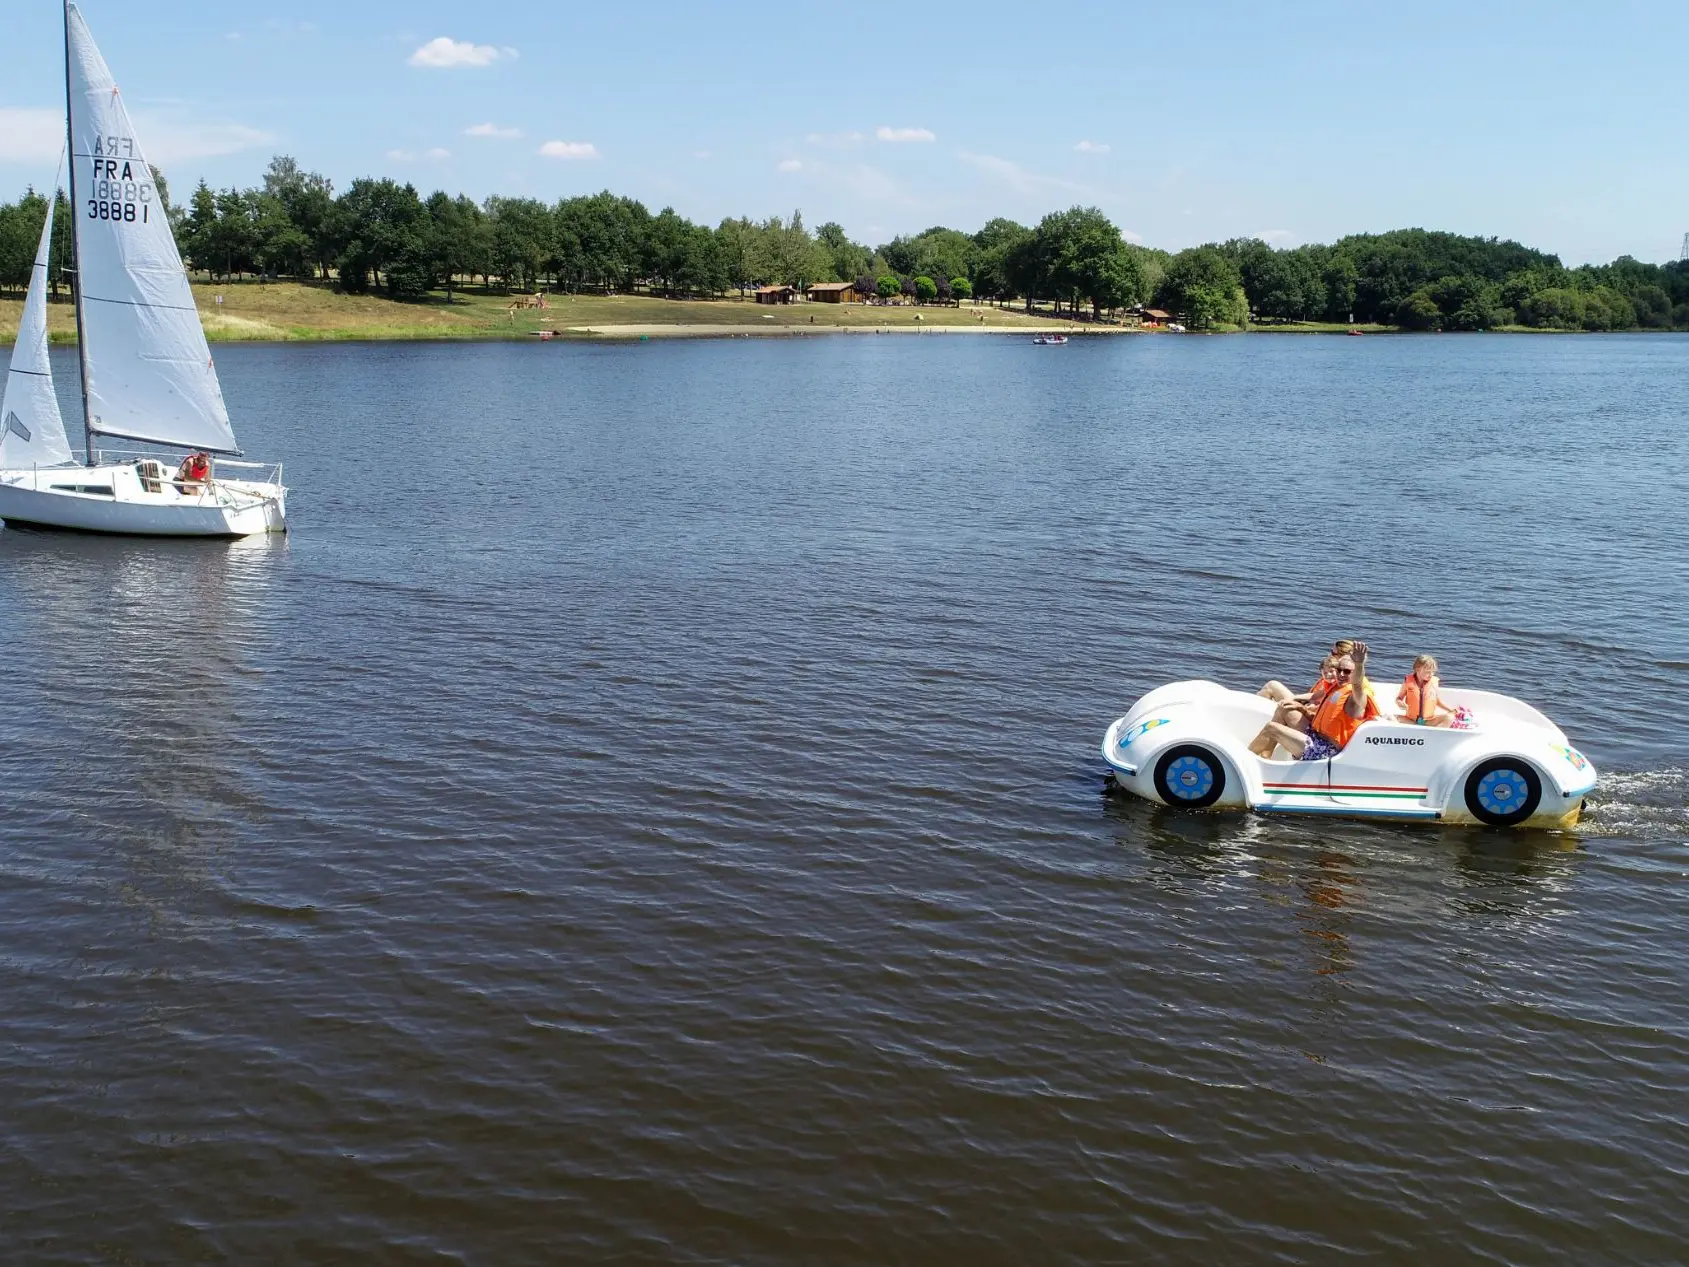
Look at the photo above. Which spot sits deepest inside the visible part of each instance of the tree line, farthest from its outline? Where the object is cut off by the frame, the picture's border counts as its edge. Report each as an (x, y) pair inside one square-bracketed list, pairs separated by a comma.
[(384, 237)]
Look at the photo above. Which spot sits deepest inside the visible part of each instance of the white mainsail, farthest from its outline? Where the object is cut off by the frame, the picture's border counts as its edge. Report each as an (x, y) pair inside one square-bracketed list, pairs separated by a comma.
[(31, 431), (146, 368)]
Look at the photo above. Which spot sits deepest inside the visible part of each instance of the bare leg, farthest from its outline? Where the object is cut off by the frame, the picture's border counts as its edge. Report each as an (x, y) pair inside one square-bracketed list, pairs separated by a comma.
[(1276, 691), (1293, 716), (1273, 735)]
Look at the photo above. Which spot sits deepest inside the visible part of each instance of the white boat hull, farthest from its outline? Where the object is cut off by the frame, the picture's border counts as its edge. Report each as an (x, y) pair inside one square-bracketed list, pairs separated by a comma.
[(1186, 744), (115, 499)]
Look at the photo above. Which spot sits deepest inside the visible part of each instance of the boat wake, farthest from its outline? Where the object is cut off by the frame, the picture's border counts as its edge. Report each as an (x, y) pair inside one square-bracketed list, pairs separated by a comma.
[(1646, 803)]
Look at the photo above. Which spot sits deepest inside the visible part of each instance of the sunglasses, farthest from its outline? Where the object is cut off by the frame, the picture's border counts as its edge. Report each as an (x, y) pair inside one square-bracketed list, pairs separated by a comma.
[(1345, 672)]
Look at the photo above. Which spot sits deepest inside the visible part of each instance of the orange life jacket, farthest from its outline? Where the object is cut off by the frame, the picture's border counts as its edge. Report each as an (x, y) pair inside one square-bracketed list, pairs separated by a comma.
[(1333, 723), (1418, 705), (1318, 691)]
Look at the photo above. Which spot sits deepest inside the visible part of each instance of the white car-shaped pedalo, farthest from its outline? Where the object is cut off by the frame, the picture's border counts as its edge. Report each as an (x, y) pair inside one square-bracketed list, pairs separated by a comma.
[(1186, 744)]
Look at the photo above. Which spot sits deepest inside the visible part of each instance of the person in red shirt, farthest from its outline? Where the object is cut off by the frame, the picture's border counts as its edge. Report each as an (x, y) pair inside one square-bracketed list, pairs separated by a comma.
[(1334, 723), (194, 474)]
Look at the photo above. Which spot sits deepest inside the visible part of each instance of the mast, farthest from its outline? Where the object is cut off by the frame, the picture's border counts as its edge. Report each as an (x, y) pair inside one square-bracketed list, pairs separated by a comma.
[(76, 259)]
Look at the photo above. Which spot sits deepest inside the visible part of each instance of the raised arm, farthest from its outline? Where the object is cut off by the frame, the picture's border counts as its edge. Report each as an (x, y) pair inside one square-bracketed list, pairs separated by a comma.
[(1355, 705)]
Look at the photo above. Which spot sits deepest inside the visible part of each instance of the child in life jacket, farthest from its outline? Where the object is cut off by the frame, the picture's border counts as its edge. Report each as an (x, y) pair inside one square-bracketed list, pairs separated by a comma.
[(1418, 697)]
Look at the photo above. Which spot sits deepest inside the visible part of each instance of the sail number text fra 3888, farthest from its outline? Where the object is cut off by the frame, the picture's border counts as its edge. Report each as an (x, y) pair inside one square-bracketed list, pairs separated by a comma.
[(117, 195)]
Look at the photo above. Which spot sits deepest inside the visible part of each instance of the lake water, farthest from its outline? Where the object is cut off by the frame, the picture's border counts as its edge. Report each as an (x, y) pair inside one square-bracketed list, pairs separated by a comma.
[(649, 810)]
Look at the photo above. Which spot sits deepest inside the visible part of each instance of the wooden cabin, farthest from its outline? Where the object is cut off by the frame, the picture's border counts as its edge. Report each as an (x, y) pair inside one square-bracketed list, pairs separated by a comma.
[(833, 292)]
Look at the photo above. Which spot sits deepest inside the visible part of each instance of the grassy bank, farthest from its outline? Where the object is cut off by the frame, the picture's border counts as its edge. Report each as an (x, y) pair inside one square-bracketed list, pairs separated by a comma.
[(253, 311), (1319, 327)]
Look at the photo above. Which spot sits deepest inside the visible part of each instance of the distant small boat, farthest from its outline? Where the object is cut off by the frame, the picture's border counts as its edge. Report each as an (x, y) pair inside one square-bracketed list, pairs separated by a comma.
[(1049, 338), (1355, 333)]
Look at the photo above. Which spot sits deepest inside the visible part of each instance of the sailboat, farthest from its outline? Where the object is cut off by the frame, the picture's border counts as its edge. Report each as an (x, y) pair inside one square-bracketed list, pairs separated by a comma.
[(146, 371)]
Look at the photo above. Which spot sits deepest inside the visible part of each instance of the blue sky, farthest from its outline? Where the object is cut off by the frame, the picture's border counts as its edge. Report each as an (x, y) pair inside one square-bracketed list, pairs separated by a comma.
[(1564, 126)]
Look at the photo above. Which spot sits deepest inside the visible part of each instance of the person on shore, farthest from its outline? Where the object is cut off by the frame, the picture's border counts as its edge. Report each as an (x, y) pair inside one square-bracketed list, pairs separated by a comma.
[(1418, 698), (1334, 723)]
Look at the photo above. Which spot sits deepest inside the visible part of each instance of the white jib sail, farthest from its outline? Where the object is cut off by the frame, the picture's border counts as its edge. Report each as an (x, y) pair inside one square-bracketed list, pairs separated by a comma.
[(148, 370), (31, 431)]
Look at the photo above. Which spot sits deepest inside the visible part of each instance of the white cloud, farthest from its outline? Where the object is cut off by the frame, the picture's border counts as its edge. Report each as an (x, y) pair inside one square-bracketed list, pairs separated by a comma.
[(1017, 177), (569, 149), (702, 154), (904, 134), (1091, 147), (1276, 237), (443, 53), (31, 136), (437, 153), (1132, 236), (493, 129), (790, 165), (175, 137)]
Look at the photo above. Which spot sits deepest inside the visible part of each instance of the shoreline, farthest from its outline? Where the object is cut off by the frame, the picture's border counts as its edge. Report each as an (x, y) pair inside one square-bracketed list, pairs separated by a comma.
[(295, 312)]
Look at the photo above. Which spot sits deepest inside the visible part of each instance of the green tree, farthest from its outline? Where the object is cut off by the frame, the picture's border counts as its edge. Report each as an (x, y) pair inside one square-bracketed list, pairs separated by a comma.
[(925, 290), (459, 238), (281, 248), (1419, 311), (1085, 259), (1204, 287), (308, 200), (943, 253), (1340, 277), (60, 253), (993, 246), (848, 259), (736, 246), (900, 255), (20, 235), (1653, 307), (523, 239), (889, 287), (384, 223), (199, 228), (234, 236), (961, 288)]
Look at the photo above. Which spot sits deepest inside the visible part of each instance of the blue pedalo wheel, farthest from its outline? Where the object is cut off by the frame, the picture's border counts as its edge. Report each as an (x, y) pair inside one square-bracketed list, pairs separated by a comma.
[(1503, 791), (1189, 776)]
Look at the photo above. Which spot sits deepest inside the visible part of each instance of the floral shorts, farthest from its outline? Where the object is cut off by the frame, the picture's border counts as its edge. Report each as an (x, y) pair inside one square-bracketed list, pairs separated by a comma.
[(1319, 749)]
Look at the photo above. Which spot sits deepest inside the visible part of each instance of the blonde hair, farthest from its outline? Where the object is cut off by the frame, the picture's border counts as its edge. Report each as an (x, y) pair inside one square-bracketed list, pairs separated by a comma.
[(1343, 646), (1424, 662)]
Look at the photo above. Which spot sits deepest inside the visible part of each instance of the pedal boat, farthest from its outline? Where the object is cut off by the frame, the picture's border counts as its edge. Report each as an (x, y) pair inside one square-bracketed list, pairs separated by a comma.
[(1186, 745)]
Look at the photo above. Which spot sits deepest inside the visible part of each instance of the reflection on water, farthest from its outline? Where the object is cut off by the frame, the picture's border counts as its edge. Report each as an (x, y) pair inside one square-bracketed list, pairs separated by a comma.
[(143, 647)]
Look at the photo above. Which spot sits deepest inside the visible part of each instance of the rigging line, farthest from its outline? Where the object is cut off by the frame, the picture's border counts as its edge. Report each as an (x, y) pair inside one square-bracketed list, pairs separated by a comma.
[(32, 373), (138, 303)]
